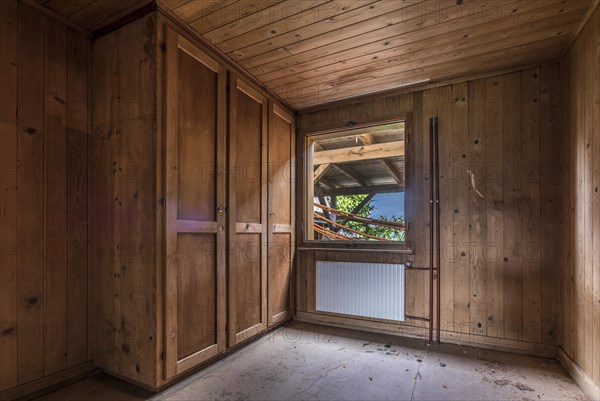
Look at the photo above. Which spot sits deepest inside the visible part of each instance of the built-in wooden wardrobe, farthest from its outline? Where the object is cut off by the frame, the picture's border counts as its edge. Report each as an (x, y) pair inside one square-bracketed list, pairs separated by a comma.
[(193, 210)]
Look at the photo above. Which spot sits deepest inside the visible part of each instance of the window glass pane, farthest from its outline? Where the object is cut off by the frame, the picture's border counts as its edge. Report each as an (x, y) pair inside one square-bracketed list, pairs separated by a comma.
[(355, 181)]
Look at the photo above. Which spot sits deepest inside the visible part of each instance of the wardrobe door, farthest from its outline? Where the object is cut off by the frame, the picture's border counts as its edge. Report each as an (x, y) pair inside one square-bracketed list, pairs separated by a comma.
[(247, 254), (281, 213), (195, 314)]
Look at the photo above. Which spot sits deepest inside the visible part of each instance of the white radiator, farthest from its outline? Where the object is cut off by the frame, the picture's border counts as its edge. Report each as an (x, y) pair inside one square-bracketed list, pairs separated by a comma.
[(361, 289)]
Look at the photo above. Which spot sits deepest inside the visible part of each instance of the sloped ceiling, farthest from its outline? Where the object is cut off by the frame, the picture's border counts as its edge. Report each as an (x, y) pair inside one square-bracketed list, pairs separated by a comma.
[(316, 51)]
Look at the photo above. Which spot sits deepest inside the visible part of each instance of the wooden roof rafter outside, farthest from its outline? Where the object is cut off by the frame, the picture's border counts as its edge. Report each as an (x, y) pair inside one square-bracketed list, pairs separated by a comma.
[(360, 153), (374, 189), (396, 174)]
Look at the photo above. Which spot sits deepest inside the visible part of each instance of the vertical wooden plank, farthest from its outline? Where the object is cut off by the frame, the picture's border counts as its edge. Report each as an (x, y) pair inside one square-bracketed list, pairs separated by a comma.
[(448, 251), (102, 249), (530, 206), (171, 200), (495, 208), (589, 110), (31, 193), (566, 222), (425, 107), (55, 205), (458, 178), (477, 207), (136, 321), (551, 211), (8, 194), (160, 215), (415, 235), (77, 192), (580, 205), (512, 250), (595, 101), (579, 224)]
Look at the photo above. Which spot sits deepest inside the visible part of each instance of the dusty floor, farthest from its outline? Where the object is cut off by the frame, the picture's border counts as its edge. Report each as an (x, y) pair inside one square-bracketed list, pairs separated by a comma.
[(308, 362)]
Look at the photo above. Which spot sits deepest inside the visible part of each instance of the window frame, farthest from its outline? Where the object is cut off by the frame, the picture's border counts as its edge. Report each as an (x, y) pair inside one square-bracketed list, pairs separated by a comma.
[(304, 242)]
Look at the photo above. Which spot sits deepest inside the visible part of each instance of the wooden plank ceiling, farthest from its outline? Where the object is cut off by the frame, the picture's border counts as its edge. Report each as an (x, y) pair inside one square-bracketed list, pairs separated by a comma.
[(92, 14), (316, 51)]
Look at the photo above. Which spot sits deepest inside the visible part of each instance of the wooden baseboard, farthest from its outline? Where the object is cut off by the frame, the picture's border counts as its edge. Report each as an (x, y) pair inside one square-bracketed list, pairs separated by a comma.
[(583, 380), (49, 383), (467, 339)]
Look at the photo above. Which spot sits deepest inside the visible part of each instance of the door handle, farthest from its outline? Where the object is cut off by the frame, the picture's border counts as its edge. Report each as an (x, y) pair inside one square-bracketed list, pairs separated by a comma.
[(220, 209)]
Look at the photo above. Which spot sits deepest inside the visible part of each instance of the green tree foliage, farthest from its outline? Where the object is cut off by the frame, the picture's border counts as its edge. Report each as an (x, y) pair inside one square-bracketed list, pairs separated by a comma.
[(348, 203)]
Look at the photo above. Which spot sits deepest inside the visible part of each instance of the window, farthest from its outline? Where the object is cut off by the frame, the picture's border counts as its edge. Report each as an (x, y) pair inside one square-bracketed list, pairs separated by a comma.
[(355, 181)]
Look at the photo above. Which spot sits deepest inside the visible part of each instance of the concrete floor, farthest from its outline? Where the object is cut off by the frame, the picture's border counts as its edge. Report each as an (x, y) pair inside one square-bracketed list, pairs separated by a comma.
[(309, 362)]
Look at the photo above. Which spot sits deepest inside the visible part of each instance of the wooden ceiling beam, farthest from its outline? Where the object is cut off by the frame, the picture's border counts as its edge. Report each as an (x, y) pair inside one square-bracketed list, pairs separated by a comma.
[(366, 138), (352, 174), (374, 189), (329, 183), (320, 171), (396, 174), (356, 153)]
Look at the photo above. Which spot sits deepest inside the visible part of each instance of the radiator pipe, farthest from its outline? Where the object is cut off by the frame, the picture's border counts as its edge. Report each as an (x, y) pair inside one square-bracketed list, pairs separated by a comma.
[(431, 222)]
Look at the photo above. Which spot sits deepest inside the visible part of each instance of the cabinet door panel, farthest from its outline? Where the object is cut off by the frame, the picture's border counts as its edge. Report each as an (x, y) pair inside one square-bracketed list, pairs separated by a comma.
[(281, 214), (196, 293), (196, 307), (248, 211), (196, 139)]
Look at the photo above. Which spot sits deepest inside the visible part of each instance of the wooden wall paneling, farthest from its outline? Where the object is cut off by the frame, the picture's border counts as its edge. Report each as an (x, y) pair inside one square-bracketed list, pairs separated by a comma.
[(415, 235), (580, 275), (443, 101), (550, 198), (512, 253), (31, 195), (530, 206), (477, 208), (578, 166), (456, 173), (495, 209), (196, 207), (419, 224), (171, 213), (281, 207), (589, 111), (77, 192), (566, 221), (595, 102), (135, 199), (55, 198), (104, 236), (160, 216), (580, 204), (9, 300), (248, 115), (494, 113)]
